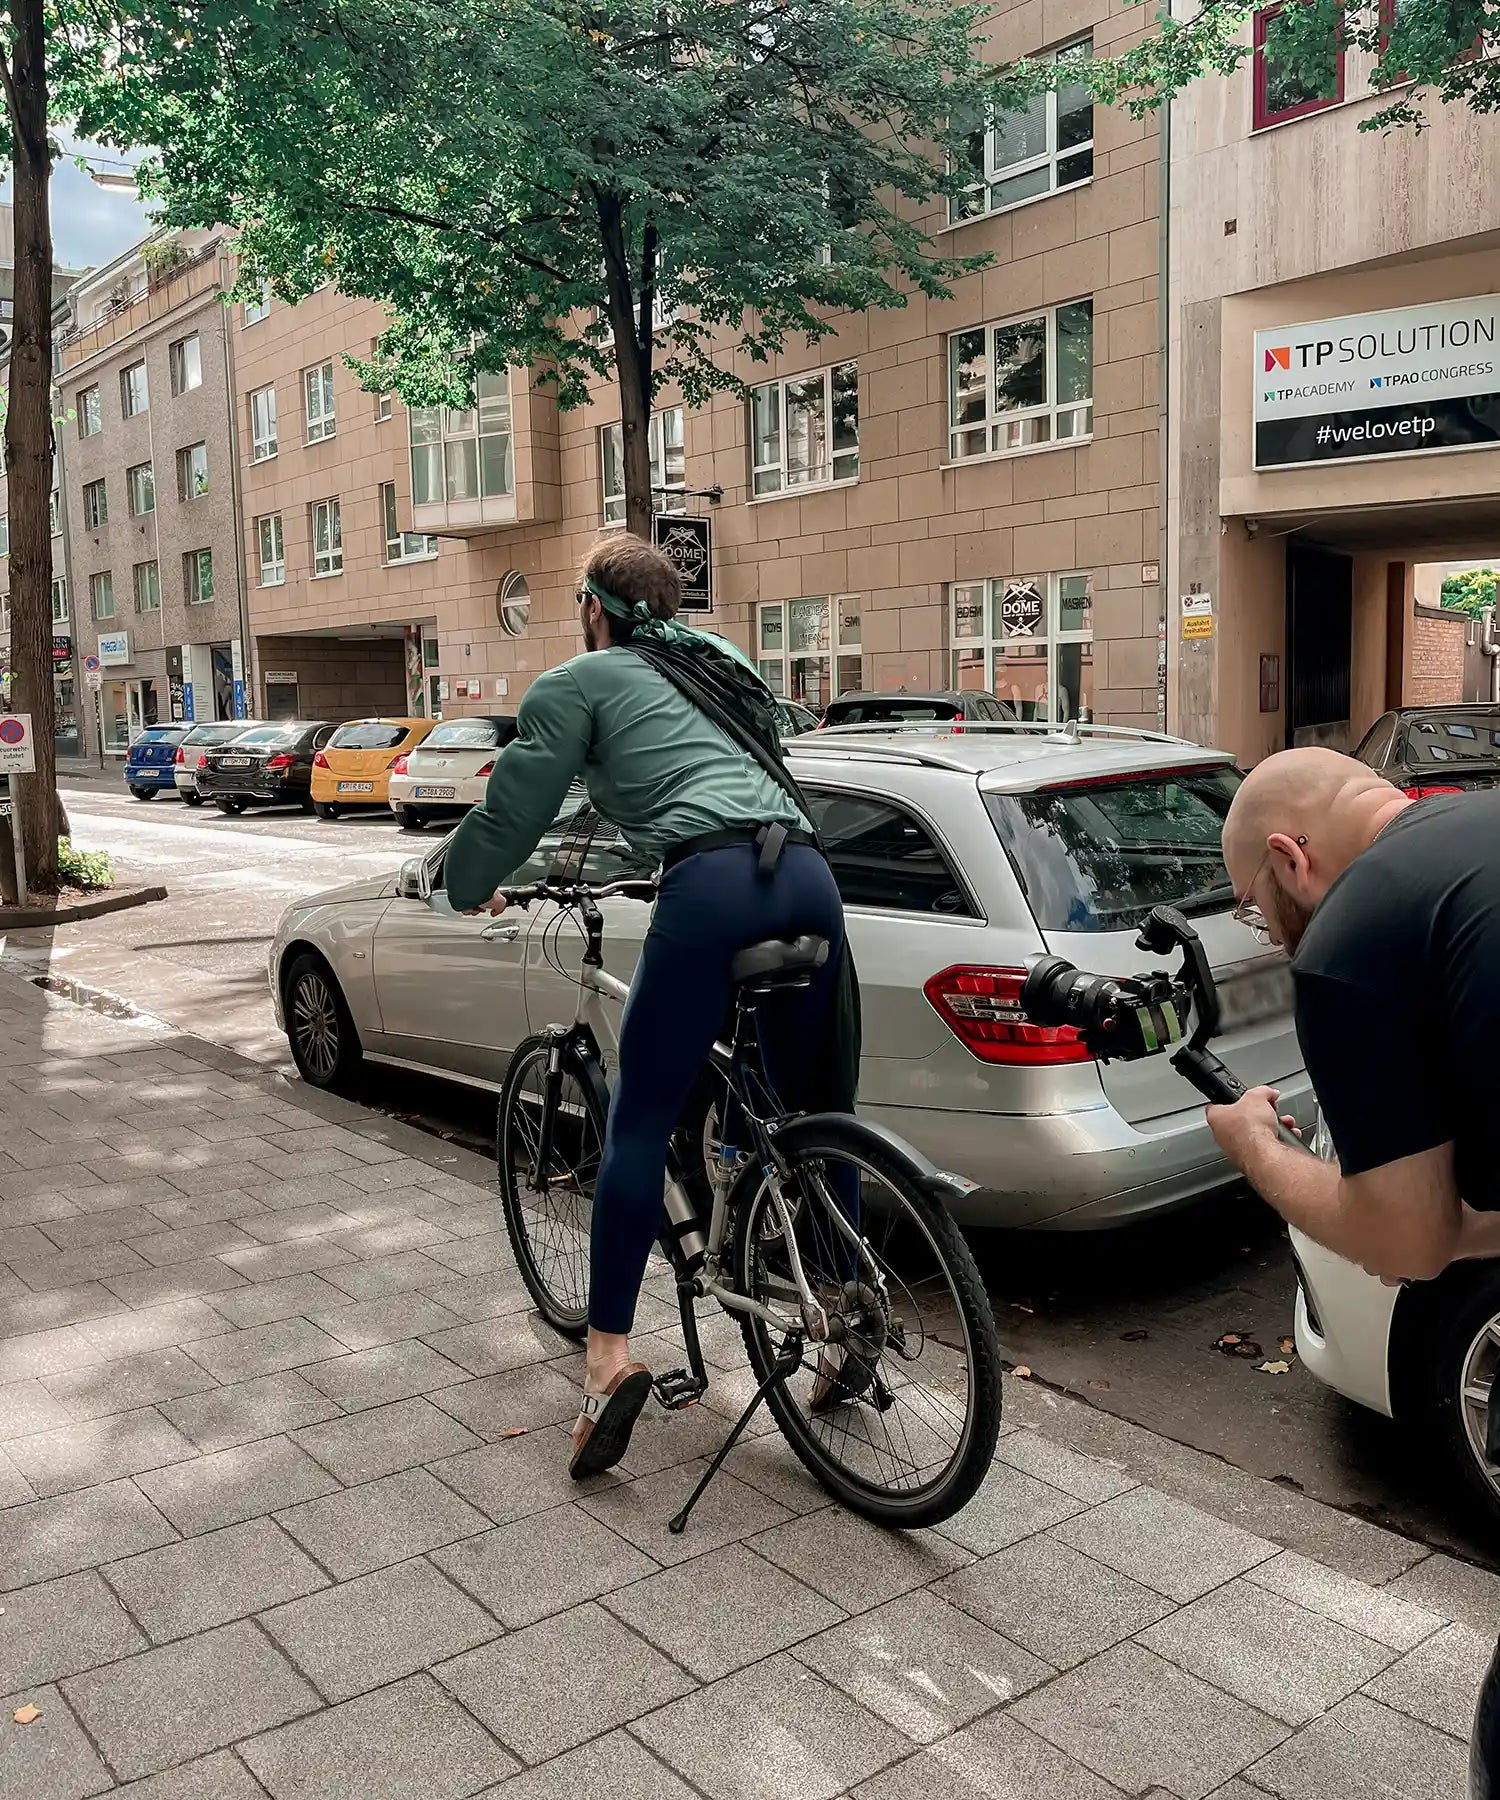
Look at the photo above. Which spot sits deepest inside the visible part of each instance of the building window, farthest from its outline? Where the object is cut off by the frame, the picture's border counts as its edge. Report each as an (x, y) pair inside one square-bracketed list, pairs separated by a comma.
[(1047, 143), (90, 412), (1281, 88), (134, 397), (513, 604), (59, 600), (102, 594), (1029, 640), (54, 514), (1022, 384), (402, 546), (809, 650), (4, 534), (668, 465), (464, 452), (804, 432), (197, 576), (327, 538), (317, 391), (185, 360), (256, 308), (262, 424), (95, 505), (272, 550), (147, 579), (192, 471), (140, 489)]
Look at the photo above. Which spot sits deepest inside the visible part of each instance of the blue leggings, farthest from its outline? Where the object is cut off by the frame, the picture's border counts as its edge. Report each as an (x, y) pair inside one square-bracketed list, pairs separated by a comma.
[(710, 906)]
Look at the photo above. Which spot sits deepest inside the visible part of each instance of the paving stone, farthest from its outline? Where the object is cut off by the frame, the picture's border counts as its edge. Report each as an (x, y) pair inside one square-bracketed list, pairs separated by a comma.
[(129, 1381), (15, 1490), (548, 1688), (293, 1296), (64, 1268), (265, 1349), (1170, 1546), (99, 1228), (206, 1209), (181, 1281), (1061, 1605), (293, 1222), (854, 1563), (484, 1296), (544, 1564), (1136, 1720), (405, 1740), (152, 1328), (367, 1445), (375, 1377), (476, 1255), (769, 1611), (364, 1633), (1364, 1751), (811, 1740), (994, 1759), (60, 1627), (1439, 1681), (729, 1511), (1455, 1589), (50, 1759), (1268, 1652), (369, 1241), (186, 1242), (166, 1705), (615, 1767), (520, 1476), (23, 1311), (214, 1578), (221, 1776), (401, 1273), (532, 1398), (767, 1464), (76, 1531), (224, 1417), (362, 1324), (45, 1353), (300, 1256), (1376, 1612), (231, 1485), (82, 1455), (27, 1406), (491, 1346), (1084, 1477), (382, 1522)]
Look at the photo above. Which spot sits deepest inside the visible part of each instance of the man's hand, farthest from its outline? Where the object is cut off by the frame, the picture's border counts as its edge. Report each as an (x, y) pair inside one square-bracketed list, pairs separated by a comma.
[(495, 905), (1240, 1130)]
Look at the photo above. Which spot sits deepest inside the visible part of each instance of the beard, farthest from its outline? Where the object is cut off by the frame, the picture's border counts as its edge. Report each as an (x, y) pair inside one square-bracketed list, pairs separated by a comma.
[(1291, 919)]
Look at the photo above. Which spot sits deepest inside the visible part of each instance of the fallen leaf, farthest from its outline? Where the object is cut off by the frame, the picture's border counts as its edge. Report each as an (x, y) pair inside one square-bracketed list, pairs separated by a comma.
[(1273, 1368), (1016, 1306), (1021, 1372), (1229, 1337), (515, 1431), (1138, 1336), (1235, 1343), (1103, 1386), (25, 1715), (1287, 1346)]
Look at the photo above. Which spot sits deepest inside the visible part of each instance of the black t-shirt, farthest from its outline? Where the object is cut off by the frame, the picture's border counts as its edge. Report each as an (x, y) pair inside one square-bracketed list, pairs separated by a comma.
[(1398, 994)]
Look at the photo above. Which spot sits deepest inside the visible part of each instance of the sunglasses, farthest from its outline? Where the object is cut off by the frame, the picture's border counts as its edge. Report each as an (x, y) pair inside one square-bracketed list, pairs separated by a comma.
[(1248, 912)]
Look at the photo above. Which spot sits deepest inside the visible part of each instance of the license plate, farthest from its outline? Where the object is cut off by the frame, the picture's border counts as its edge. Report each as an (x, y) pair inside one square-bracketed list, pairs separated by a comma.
[(435, 793), (356, 787), (1254, 995), (234, 762)]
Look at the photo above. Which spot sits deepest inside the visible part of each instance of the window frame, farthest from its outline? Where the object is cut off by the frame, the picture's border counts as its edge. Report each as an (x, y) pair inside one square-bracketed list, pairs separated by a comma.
[(1261, 117), (323, 424), (816, 789), (264, 441), (987, 592), (102, 581), (89, 405), (60, 612), (188, 488), (271, 524), (434, 423), (131, 487), (995, 420), (54, 514), (146, 575), (786, 487), (395, 535), (95, 517), (667, 496), (333, 556), (127, 387), (993, 173), (513, 604), (177, 363), (4, 534), (193, 563), (776, 664), (253, 311)]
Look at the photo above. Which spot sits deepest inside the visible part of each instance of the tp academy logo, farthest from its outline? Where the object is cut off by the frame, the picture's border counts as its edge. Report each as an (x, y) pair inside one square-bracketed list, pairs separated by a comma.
[(1377, 381), (1279, 359)]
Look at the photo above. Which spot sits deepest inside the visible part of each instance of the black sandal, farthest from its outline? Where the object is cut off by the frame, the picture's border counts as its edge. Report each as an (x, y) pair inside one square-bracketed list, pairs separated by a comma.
[(609, 1418)]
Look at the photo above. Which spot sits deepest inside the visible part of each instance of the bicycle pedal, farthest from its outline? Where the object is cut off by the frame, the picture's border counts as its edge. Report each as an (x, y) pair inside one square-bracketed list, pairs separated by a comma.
[(677, 1388)]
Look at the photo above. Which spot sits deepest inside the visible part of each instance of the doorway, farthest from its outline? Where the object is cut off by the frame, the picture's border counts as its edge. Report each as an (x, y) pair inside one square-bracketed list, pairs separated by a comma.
[(1319, 646), (128, 708)]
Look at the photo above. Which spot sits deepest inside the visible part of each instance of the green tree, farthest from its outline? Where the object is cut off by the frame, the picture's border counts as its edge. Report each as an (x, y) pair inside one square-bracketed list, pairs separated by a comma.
[(1470, 590), (613, 189)]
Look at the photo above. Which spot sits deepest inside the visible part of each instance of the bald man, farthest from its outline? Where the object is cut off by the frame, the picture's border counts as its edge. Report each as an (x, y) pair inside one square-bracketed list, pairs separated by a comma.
[(1391, 909)]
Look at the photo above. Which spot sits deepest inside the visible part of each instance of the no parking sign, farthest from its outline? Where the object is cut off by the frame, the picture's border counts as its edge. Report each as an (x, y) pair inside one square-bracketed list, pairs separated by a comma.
[(17, 748)]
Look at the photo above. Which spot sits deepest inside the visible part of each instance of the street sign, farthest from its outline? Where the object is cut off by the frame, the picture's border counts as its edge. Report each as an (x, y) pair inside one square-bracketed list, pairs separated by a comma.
[(17, 748), (95, 678), (91, 665), (688, 544)]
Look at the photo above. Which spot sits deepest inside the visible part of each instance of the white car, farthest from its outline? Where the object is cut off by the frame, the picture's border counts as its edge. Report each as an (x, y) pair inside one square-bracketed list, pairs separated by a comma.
[(192, 750), (446, 773), (1425, 1353)]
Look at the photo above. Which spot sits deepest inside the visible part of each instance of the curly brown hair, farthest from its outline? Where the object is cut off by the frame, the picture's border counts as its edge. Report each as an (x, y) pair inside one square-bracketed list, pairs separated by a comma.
[(633, 570)]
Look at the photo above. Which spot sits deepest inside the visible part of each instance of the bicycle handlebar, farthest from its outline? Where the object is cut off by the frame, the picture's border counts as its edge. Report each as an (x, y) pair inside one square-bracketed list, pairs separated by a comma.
[(577, 893)]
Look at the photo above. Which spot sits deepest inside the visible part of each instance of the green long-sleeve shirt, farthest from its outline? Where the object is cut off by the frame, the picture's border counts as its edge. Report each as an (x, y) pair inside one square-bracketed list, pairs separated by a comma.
[(652, 762)]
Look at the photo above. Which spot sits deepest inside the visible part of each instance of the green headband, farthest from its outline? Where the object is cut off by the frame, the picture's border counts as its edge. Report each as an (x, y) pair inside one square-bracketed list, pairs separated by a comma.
[(632, 613)]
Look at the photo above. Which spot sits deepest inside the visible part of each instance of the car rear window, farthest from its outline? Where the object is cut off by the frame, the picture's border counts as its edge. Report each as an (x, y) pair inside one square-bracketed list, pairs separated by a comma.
[(463, 734), (367, 734), (1453, 737), (215, 734), (267, 734), (162, 734), (1096, 855), (892, 711)]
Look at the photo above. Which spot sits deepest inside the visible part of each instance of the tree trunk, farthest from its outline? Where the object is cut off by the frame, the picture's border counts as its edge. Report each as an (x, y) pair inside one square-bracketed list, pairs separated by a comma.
[(633, 368), (28, 443)]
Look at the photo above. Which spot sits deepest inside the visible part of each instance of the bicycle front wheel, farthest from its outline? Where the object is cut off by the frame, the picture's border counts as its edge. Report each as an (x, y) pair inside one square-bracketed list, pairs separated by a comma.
[(898, 1414), (549, 1138)]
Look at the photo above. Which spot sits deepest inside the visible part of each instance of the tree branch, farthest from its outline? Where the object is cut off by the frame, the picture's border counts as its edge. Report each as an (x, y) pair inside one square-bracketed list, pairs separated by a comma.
[(386, 210)]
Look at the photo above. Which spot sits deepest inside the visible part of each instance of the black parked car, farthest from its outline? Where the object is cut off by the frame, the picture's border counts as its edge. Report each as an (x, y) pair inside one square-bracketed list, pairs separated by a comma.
[(270, 766), (966, 706), (1436, 749)]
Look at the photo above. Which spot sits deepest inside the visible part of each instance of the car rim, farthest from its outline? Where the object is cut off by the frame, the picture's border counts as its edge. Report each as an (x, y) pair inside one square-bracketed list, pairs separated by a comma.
[(1476, 1383), (316, 1022)]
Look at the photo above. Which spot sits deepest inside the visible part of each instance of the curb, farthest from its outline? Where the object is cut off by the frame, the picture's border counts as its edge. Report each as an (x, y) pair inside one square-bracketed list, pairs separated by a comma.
[(25, 918)]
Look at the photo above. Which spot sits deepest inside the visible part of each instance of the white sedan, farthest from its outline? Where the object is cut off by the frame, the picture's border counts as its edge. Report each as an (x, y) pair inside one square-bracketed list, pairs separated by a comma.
[(447, 772)]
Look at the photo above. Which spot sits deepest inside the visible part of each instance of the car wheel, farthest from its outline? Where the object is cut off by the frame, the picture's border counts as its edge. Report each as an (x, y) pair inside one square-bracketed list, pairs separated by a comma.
[(305, 803), (409, 819), (1445, 1375), (325, 1044), (142, 793), (190, 798), (325, 809), (231, 809)]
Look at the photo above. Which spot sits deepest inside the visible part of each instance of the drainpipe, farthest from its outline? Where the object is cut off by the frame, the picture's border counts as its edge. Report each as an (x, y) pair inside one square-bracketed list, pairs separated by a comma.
[(1489, 643), (1166, 564), (236, 490)]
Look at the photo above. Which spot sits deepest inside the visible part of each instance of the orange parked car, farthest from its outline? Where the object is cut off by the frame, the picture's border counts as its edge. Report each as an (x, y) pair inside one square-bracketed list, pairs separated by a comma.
[(354, 770)]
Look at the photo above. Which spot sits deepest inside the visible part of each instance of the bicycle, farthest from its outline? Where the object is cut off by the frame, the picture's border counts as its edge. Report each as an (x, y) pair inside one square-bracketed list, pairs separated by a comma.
[(797, 1265)]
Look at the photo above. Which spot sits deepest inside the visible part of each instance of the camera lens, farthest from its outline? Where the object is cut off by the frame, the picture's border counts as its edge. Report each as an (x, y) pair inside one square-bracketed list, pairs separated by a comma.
[(1057, 992)]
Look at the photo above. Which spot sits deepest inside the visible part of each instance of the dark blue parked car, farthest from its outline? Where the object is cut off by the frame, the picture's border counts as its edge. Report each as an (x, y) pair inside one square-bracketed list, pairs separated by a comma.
[(151, 761)]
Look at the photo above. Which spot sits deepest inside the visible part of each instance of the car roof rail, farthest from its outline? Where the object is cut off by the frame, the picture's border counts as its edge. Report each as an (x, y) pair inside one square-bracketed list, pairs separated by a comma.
[(1070, 731)]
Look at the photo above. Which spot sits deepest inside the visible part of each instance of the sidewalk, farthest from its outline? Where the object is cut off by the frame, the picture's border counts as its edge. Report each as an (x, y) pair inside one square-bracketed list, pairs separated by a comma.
[(267, 1529)]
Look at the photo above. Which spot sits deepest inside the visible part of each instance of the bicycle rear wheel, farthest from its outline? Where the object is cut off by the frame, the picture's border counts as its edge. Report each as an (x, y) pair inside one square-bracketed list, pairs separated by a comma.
[(899, 1424), (549, 1201)]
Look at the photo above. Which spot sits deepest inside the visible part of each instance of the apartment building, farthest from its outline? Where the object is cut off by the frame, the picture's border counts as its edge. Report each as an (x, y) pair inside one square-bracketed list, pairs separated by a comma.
[(148, 491), (1333, 401), (958, 493)]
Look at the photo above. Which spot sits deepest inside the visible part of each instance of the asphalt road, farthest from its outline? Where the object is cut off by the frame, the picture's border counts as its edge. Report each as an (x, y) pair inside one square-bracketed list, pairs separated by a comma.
[(1126, 1320)]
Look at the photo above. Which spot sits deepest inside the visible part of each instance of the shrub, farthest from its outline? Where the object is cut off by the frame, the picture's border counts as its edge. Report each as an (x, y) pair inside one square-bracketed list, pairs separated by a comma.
[(83, 868)]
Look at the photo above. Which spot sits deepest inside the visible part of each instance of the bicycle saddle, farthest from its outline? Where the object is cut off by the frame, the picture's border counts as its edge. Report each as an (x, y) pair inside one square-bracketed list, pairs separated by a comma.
[(779, 962)]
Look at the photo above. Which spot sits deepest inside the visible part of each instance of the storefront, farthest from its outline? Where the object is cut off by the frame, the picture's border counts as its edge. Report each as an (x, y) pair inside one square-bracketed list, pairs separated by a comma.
[(810, 650), (68, 734), (1029, 640)]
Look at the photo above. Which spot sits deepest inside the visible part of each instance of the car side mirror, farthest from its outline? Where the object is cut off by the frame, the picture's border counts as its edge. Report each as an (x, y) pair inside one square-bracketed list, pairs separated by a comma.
[(414, 882)]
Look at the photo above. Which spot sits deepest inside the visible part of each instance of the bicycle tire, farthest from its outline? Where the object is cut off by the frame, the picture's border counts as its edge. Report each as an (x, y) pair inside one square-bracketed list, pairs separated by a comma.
[(567, 1310), (928, 1506)]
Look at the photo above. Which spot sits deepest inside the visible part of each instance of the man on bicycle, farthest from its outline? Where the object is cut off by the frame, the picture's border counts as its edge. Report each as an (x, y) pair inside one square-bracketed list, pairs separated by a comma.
[(682, 791)]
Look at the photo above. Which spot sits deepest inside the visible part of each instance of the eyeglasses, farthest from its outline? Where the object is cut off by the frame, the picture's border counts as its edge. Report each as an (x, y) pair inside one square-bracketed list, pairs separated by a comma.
[(1248, 912)]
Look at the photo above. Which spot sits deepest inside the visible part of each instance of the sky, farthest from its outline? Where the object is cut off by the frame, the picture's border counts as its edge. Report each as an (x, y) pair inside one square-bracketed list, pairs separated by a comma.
[(90, 224)]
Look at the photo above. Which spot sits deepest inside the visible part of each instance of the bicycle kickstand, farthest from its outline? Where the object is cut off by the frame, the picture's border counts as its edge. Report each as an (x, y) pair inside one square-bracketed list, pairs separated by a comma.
[(788, 1361)]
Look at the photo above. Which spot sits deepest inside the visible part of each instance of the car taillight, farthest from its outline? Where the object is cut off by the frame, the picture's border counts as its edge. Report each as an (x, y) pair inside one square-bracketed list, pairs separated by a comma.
[(181, 755), (202, 758), (280, 762), (488, 769), (398, 767), (982, 1008), (320, 761), (1421, 793)]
